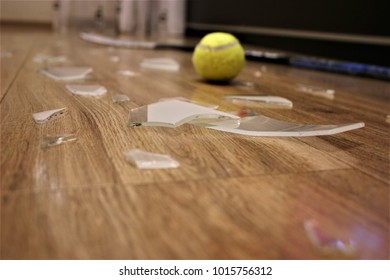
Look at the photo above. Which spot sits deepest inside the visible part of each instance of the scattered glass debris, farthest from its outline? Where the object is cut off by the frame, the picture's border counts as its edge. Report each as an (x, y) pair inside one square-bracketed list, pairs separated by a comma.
[(190, 101), (51, 141), (147, 160), (66, 73), (265, 126), (166, 64), (263, 101), (321, 240), (45, 116), (172, 113), (120, 98), (317, 91), (87, 90), (44, 58), (127, 73)]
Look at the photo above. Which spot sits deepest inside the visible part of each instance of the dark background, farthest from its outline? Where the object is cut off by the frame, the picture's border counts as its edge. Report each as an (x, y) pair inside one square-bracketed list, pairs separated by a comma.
[(365, 18)]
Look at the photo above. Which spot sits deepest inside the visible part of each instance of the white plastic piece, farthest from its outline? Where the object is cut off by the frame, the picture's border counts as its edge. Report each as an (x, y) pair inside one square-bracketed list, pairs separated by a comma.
[(172, 113), (87, 90), (147, 160), (211, 106), (45, 116), (66, 73), (265, 126), (166, 64), (44, 58), (268, 101)]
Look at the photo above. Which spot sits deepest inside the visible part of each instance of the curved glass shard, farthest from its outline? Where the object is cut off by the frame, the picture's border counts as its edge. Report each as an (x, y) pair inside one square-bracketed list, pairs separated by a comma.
[(45, 116)]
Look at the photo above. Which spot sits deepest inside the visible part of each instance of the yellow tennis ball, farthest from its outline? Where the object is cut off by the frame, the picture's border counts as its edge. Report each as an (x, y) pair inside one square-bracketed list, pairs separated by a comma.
[(218, 56)]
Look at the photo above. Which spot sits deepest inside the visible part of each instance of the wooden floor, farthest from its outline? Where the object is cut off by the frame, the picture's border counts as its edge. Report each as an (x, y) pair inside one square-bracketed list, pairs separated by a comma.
[(233, 197)]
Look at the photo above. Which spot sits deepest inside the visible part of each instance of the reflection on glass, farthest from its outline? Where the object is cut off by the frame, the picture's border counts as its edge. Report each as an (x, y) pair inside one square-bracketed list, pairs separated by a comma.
[(87, 90), (147, 160), (327, 244), (261, 101), (45, 116), (51, 141), (172, 113), (66, 73), (317, 91)]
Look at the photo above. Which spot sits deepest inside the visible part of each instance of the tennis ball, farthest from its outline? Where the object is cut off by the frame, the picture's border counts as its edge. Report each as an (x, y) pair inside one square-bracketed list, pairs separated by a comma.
[(218, 56)]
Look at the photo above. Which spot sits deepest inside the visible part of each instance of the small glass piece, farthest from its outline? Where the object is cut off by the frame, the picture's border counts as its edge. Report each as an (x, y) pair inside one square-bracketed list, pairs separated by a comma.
[(166, 64), (127, 73), (257, 74), (87, 90), (45, 116), (114, 58), (321, 240), (317, 91), (120, 98), (244, 84), (44, 58), (147, 160), (172, 113), (66, 73), (262, 101), (190, 101), (51, 141), (265, 126)]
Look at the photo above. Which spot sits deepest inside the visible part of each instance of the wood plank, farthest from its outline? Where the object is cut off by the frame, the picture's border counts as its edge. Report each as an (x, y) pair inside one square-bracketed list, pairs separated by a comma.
[(235, 218)]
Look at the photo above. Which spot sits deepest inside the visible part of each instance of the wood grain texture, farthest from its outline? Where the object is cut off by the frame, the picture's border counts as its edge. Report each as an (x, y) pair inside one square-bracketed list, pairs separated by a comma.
[(233, 197)]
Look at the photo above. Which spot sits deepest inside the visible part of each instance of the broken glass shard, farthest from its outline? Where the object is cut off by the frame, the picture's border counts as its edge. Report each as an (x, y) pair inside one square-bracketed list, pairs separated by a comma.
[(166, 64), (45, 116), (190, 101), (44, 58), (262, 101), (172, 113), (66, 73), (51, 141), (120, 98), (317, 91), (127, 73), (87, 90), (147, 160), (265, 126)]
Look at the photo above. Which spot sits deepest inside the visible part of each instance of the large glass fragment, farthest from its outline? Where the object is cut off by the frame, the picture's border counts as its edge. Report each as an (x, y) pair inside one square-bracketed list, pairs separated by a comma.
[(265, 126), (172, 113)]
